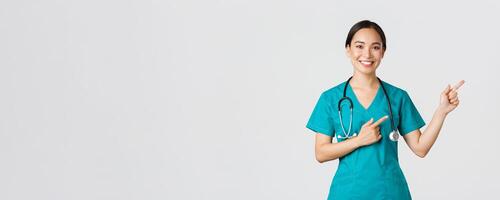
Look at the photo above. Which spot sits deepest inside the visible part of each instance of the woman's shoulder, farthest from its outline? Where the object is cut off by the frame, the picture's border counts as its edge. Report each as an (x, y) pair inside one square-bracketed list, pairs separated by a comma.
[(335, 91), (395, 92)]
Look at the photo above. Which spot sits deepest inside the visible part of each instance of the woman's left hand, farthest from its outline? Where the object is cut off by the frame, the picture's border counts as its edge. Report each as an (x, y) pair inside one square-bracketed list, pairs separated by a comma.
[(449, 98)]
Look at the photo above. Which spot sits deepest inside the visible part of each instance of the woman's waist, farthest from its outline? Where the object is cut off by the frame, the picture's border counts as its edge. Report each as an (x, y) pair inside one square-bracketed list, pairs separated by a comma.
[(367, 169)]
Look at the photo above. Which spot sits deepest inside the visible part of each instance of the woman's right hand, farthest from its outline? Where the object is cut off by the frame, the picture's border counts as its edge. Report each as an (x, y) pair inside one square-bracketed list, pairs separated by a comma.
[(370, 132)]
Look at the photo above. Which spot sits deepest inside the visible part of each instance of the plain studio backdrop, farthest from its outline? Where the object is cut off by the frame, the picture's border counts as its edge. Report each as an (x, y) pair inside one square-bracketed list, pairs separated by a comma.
[(209, 99)]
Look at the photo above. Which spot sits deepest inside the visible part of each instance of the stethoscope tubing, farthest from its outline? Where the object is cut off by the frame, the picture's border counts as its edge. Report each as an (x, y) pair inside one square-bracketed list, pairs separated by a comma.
[(393, 136)]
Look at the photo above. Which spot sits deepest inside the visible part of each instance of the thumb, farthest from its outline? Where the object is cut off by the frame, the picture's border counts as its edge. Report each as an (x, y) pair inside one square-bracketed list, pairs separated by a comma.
[(369, 122)]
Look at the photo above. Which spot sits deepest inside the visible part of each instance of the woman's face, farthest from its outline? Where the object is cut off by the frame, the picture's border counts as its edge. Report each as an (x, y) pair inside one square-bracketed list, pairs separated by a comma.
[(365, 51)]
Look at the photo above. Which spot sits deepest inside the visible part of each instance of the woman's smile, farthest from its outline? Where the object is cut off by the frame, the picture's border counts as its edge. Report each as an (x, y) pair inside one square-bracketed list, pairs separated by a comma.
[(366, 63)]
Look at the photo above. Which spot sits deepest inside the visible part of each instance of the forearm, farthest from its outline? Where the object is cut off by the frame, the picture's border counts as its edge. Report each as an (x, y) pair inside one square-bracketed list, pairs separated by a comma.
[(429, 136), (332, 151)]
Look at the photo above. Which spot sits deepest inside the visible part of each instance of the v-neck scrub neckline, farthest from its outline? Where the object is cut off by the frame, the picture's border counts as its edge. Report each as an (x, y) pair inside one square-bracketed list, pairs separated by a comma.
[(351, 94)]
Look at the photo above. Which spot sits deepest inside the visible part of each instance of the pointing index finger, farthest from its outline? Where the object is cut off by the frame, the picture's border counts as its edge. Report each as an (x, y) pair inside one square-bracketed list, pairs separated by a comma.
[(458, 85), (382, 119)]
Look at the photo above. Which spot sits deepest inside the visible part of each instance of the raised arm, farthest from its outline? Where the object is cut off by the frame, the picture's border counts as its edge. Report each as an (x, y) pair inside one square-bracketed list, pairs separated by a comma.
[(421, 143)]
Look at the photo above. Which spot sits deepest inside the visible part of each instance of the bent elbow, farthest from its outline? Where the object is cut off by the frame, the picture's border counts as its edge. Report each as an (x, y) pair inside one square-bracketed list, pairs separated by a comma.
[(421, 154), (319, 158)]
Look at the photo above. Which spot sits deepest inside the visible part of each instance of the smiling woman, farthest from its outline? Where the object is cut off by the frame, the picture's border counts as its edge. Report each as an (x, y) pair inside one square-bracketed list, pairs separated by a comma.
[(368, 46), (369, 166)]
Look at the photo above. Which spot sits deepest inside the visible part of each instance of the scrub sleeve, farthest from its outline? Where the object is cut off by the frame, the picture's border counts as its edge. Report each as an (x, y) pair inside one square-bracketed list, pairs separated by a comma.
[(321, 120), (410, 119)]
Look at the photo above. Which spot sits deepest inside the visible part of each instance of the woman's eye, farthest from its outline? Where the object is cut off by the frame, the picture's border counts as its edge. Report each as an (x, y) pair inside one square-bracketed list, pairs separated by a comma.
[(376, 47), (359, 46)]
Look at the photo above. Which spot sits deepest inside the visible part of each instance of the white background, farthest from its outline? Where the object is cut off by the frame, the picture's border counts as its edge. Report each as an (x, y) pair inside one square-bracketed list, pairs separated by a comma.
[(209, 99)]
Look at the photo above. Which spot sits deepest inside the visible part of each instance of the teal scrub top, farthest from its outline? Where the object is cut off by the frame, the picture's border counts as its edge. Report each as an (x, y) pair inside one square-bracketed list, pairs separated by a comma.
[(373, 171)]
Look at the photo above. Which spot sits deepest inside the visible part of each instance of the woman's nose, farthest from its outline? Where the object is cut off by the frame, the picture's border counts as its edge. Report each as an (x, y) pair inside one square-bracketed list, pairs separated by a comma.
[(367, 53)]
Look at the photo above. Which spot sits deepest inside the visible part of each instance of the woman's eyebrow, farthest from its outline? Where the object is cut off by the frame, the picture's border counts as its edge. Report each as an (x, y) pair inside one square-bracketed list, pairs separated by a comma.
[(374, 43), (361, 42)]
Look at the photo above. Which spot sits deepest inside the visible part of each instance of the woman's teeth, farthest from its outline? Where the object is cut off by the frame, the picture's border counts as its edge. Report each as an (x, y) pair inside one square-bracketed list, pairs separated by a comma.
[(366, 62)]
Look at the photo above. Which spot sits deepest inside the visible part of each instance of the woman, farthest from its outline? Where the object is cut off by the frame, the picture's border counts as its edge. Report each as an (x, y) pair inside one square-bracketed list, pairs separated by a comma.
[(367, 135)]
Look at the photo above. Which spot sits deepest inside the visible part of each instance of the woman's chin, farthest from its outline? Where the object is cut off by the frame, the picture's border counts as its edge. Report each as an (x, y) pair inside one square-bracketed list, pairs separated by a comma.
[(366, 70)]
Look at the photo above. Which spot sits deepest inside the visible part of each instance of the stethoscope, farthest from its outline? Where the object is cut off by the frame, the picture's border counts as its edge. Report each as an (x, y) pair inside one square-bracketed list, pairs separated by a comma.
[(394, 135)]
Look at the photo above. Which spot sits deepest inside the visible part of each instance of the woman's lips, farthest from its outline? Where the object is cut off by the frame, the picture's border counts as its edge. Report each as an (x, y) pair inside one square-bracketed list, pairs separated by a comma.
[(366, 63)]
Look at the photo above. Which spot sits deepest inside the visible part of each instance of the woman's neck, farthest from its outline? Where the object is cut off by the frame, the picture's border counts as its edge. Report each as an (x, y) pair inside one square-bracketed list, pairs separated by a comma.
[(368, 81)]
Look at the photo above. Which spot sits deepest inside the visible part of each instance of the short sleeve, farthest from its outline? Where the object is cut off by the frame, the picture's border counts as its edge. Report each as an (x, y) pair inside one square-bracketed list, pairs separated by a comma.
[(410, 119), (321, 120)]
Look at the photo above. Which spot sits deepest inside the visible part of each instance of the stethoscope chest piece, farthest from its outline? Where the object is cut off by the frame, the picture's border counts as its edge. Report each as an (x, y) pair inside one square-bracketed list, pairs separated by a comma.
[(394, 136), (347, 136)]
